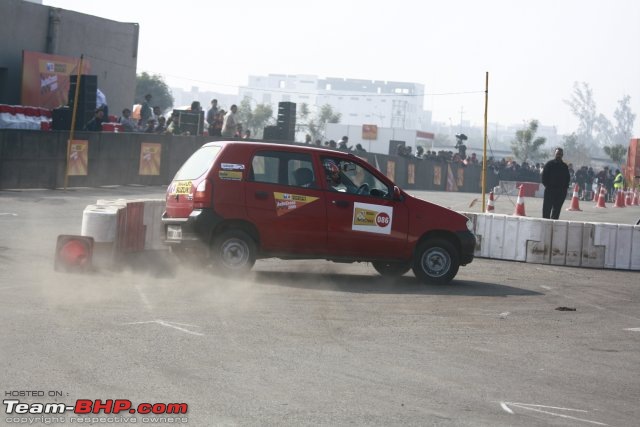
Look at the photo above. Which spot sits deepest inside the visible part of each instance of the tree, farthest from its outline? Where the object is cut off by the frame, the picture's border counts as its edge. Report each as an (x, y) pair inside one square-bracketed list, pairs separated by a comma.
[(577, 152), (154, 85), (625, 120), (525, 147), (317, 125), (616, 153), (254, 119), (583, 107)]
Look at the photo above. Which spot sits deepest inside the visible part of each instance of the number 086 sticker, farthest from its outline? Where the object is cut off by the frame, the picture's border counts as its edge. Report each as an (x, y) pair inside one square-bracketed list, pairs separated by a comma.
[(372, 218)]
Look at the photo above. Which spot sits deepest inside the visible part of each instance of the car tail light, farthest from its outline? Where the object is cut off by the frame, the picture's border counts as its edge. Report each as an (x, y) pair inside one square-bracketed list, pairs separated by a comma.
[(202, 197)]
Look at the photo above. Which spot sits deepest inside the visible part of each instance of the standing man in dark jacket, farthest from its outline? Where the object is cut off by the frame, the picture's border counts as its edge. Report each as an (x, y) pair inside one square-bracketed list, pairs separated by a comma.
[(555, 178)]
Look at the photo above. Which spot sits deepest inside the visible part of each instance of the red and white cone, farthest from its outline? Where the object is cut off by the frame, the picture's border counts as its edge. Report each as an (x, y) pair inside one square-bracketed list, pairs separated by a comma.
[(596, 195), (619, 199), (636, 201), (601, 198), (575, 205), (490, 207), (520, 203), (629, 198)]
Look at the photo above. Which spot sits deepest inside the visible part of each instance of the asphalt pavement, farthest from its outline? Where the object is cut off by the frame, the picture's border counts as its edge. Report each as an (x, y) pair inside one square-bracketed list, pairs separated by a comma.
[(314, 342)]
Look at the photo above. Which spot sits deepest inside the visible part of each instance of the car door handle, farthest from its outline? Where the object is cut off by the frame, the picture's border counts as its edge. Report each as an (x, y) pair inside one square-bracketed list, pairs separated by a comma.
[(340, 203), (262, 195)]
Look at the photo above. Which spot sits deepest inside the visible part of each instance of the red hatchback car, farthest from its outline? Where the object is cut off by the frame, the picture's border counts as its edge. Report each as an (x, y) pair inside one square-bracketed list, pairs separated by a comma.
[(246, 200)]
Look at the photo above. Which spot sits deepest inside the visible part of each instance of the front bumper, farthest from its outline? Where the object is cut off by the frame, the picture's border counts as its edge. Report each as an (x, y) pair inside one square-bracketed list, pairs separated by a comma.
[(467, 246)]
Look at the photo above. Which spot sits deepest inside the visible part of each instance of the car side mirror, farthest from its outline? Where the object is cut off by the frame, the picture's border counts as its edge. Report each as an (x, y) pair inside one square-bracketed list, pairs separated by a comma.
[(397, 194)]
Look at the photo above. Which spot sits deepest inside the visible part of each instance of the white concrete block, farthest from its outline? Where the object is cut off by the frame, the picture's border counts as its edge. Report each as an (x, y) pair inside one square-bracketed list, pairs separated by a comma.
[(559, 233), (635, 248), (496, 236), (536, 238), (623, 247), (606, 235), (574, 243), (509, 244), (100, 222), (592, 255)]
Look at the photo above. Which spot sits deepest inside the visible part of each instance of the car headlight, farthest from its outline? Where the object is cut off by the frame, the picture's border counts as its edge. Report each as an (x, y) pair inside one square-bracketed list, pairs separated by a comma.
[(470, 225)]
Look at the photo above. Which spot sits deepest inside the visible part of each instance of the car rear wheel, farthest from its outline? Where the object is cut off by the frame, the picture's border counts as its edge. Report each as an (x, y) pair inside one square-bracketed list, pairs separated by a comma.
[(436, 261), (391, 269), (233, 252)]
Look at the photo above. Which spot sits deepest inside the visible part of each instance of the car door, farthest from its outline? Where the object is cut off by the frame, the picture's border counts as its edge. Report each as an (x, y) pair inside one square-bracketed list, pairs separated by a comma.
[(286, 204), (368, 223)]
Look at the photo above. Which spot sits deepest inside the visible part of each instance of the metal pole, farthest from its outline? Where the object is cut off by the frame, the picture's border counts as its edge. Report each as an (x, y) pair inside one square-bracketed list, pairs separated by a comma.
[(484, 150), (73, 123)]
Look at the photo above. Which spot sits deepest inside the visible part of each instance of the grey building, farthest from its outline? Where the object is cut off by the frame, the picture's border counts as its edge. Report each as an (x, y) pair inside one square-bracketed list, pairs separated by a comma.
[(111, 47)]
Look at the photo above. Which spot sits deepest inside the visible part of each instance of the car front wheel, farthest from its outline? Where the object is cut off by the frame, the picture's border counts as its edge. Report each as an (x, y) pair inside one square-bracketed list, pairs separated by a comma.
[(233, 252), (436, 261)]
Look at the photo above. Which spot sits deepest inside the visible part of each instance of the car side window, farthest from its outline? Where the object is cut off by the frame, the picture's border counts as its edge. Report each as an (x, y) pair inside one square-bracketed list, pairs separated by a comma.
[(350, 177), (284, 168)]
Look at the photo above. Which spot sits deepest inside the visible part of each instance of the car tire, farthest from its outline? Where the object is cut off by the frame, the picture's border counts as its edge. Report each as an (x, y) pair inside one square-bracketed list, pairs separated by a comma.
[(233, 252), (436, 261), (391, 269)]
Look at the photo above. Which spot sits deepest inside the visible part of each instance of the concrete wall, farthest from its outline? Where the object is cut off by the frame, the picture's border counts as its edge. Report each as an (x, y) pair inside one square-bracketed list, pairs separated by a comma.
[(36, 159), (110, 46)]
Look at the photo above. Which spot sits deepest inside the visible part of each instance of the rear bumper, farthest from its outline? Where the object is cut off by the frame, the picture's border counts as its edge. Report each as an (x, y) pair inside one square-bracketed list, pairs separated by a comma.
[(467, 246), (196, 228)]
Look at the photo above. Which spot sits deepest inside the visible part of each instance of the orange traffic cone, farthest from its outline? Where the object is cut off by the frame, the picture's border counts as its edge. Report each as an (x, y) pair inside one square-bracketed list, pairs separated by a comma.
[(575, 205), (628, 201), (619, 199), (596, 195), (601, 198), (635, 201), (490, 207), (520, 203)]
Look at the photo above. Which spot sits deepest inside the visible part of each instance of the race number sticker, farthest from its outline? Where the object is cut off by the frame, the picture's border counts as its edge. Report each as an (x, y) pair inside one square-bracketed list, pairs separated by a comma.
[(286, 202), (372, 218)]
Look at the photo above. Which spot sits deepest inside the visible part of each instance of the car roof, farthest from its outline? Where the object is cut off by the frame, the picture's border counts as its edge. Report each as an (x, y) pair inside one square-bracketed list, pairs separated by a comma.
[(277, 146)]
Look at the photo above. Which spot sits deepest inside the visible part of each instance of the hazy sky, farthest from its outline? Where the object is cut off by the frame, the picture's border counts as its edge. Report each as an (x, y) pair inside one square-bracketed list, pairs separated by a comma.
[(534, 51)]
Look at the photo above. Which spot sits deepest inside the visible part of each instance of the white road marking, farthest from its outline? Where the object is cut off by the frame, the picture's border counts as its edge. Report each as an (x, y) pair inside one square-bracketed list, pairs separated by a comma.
[(536, 408), (546, 287), (169, 325), (504, 315), (8, 214), (506, 408), (633, 329)]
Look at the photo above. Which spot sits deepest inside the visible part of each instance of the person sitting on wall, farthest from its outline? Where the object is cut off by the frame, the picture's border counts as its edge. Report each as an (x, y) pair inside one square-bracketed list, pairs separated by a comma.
[(161, 127), (128, 124), (95, 124)]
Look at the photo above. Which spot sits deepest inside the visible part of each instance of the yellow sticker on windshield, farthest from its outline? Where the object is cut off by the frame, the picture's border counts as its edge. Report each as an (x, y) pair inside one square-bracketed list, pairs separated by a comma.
[(182, 187)]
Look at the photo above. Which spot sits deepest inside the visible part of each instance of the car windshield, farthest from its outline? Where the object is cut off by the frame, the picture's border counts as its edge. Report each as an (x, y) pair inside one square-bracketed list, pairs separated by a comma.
[(198, 163)]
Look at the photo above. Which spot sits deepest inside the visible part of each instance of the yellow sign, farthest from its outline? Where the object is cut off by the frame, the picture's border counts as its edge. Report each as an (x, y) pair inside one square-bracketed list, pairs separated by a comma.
[(364, 217), (150, 157), (230, 175), (77, 163), (286, 202), (391, 170), (411, 173), (182, 187)]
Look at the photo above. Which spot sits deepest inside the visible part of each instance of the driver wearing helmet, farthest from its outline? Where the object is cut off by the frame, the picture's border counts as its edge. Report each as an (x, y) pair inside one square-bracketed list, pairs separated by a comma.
[(333, 173), (336, 179)]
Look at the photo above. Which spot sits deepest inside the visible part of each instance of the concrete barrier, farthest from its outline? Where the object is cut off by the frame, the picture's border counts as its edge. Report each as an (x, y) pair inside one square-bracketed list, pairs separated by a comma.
[(543, 241)]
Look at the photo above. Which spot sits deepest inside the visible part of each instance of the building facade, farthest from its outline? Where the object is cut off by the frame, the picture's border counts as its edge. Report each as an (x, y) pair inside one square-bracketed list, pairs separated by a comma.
[(385, 104)]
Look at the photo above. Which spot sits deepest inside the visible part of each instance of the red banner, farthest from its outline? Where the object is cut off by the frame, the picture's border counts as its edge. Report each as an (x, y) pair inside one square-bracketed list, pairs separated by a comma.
[(45, 78)]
